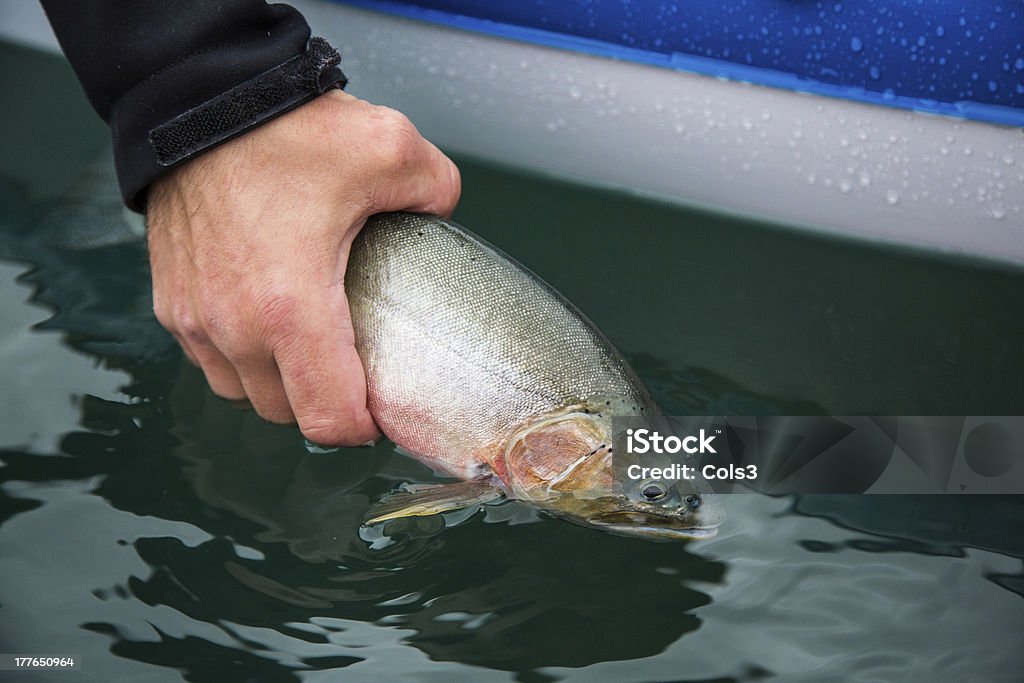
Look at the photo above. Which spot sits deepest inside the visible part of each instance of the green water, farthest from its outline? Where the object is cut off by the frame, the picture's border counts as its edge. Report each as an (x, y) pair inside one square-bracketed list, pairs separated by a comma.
[(160, 534)]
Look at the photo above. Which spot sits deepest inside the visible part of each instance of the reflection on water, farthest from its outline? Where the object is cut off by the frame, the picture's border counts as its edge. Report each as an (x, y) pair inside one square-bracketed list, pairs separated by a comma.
[(285, 545), (920, 524), (167, 530)]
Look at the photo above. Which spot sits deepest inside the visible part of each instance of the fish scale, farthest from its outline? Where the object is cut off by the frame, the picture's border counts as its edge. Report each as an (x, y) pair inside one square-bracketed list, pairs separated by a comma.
[(493, 344), (481, 370)]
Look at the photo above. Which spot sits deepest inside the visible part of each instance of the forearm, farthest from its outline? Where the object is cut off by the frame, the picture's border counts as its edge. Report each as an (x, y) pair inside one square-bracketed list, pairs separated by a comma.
[(176, 77)]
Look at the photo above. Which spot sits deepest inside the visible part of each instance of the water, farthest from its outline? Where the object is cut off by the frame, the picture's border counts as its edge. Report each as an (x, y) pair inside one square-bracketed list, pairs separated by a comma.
[(160, 534)]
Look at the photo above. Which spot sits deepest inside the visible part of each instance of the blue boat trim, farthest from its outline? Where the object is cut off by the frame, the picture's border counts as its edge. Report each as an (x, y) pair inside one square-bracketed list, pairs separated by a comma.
[(997, 98)]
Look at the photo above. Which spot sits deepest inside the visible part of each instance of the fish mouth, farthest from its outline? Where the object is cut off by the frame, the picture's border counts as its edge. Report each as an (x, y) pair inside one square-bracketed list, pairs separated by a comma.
[(652, 526)]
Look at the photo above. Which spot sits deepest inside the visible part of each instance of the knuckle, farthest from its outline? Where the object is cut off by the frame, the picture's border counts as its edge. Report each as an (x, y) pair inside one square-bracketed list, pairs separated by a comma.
[(163, 314), (220, 327), (212, 323), (190, 328), (392, 119), (239, 351), (397, 140)]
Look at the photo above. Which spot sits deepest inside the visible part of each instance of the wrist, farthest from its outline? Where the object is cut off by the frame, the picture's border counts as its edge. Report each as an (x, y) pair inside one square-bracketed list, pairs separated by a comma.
[(146, 150)]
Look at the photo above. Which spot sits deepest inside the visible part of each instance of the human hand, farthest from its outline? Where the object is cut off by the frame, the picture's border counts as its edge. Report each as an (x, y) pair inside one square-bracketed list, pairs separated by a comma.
[(248, 245)]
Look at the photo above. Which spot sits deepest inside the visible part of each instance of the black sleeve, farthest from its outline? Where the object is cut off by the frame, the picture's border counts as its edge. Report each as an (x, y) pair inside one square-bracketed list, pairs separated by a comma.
[(176, 77)]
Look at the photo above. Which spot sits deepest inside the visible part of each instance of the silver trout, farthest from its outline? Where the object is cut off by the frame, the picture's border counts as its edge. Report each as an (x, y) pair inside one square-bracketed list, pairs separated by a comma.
[(484, 372)]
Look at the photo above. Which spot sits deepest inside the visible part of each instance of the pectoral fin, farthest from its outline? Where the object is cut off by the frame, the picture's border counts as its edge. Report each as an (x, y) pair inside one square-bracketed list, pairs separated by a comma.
[(431, 499)]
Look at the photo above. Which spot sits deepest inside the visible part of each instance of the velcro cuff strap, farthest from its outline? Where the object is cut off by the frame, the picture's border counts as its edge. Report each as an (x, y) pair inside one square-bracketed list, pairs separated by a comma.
[(247, 105)]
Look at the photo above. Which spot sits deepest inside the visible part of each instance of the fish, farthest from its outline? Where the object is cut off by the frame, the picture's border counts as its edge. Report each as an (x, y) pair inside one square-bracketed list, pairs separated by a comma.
[(485, 373)]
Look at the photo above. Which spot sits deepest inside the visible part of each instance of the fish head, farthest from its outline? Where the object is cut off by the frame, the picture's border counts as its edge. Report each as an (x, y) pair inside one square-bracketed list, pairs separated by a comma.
[(659, 510), (564, 464)]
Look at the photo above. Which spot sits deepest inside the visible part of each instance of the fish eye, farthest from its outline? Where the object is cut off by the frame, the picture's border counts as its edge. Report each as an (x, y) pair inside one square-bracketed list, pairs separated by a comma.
[(653, 491), (692, 501)]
